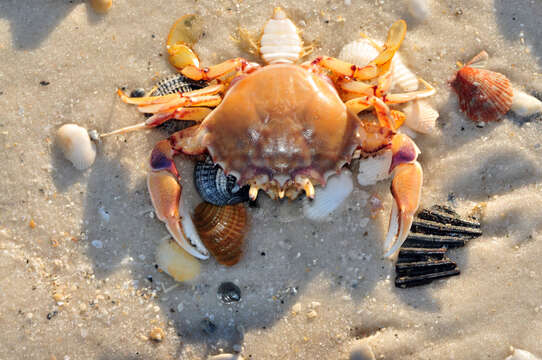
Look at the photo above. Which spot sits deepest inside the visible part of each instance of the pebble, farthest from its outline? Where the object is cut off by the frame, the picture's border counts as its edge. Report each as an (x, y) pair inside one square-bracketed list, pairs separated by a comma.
[(157, 334), (419, 9), (296, 308), (97, 244), (104, 214), (207, 326), (311, 314), (226, 357), (139, 92), (101, 6), (361, 351), (228, 293), (180, 307)]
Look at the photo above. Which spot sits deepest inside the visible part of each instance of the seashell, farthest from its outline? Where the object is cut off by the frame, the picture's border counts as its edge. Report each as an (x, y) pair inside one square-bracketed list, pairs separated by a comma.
[(374, 169), (217, 188), (280, 42), (101, 6), (176, 262), (75, 143), (327, 199), (524, 104), (402, 76), (483, 95), (226, 357), (229, 293), (222, 230), (420, 116), (519, 354), (419, 9)]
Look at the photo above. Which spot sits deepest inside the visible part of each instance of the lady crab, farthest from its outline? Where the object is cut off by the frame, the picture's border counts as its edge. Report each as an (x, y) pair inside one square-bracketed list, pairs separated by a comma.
[(283, 127)]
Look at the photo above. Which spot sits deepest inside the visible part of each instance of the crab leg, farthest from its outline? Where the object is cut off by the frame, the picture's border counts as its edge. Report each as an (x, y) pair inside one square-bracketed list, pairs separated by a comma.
[(391, 119), (406, 190), (414, 95), (165, 189), (215, 71)]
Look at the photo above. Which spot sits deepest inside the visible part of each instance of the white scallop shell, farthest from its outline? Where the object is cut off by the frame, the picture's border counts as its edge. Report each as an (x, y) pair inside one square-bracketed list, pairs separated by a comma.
[(175, 261), (524, 104), (330, 197), (76, 145), (402, 76), (522, 355), (280, 41), (420, 116), (374, 169)]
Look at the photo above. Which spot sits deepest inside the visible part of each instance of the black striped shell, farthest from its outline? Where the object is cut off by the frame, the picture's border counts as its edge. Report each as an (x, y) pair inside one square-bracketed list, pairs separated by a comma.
[(215, 187)]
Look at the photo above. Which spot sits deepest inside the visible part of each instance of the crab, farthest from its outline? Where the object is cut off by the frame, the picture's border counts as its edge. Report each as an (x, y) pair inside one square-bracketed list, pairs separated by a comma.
[(283, 127)]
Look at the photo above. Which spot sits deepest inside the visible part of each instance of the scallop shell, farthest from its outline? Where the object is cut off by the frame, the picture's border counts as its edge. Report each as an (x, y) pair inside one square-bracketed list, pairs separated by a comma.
[(176, 262), (76, 145), (484, 95), (524, 104), (222, 230), (374, 169), (329, 198), (420, 116), (217, 188), (402, 76)]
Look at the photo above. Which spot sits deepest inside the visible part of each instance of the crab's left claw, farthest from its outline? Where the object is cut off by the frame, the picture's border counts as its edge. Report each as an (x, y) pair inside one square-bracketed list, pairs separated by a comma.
[(406, 189)]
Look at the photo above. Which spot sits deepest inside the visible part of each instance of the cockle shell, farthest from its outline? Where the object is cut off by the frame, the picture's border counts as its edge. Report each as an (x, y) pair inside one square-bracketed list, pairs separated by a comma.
[(222, 229), (484, 95), (420, 116), (175, 261), (524, 104), (76, 145), (374, 169), (327, 199), (217, 188)]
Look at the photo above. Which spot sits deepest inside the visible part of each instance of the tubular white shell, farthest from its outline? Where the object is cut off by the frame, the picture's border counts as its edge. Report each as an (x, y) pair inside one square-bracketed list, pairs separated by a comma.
[(361, 52), (524, 104), (175, 261), (330, 197), (280, 42), (420, 116), (522, 355), (374, 169), (76, 145)]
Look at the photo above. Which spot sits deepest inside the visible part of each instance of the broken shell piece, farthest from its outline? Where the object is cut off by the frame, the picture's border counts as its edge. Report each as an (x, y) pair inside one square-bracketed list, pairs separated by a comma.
[(222, 229), (330, 197), (101, 6), (483, 95), (176, 262), (524, 104), (374, 169), (519, 354), (420, 116), (76, 145)]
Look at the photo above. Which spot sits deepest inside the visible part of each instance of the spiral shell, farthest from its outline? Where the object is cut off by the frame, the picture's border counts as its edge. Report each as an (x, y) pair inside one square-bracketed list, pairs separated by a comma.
[(217, 188), (222, 230), (76, 145)]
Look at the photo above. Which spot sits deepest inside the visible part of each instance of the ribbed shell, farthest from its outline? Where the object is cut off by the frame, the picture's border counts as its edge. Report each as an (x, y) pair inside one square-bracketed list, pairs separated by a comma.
[(222, 229), (280, 41), (215, 187), (484, 95), (421, 116)]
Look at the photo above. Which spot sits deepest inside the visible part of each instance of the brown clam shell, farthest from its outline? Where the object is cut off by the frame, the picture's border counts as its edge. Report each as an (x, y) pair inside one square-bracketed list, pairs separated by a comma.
[(222, 230)]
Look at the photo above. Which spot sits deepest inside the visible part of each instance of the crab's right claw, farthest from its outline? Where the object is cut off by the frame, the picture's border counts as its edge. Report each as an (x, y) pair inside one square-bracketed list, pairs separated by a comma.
[(165, 192), (406, 190)]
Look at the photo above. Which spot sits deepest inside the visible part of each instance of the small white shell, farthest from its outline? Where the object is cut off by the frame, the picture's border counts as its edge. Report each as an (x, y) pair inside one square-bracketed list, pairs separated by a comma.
[(524, 104), (522, 355), (419, 9), (402, 76), (75, 143), (420, 116), (374, 169), (280, 42), (330, 197), (175, 261)]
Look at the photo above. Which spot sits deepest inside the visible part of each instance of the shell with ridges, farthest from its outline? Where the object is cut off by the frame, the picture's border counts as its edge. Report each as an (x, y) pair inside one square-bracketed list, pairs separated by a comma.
[(420, 116), (75, 143), (280, 41), (217, 188), (329, 198), (176, 262), (222, 230)]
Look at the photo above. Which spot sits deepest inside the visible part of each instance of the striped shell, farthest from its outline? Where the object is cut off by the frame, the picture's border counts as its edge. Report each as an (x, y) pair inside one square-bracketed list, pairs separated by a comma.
[(75, 143), (329, 198), (280, 42), (176, 262), (420, 116), (222, 230), (484, 95), (215, 187)]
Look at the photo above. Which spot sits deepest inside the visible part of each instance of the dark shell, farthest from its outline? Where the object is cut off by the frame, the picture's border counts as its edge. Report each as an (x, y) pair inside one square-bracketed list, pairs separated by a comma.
[(229, 293), (215, 187), (174, 84), (422, 258)]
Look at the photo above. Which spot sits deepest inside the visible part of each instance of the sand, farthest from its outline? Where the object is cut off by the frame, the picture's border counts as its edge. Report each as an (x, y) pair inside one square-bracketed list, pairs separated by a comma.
[(77, 272)]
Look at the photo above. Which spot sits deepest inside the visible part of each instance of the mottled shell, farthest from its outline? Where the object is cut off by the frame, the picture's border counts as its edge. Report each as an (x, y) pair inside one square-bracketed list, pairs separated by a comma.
[(278, 122), (222, 230)]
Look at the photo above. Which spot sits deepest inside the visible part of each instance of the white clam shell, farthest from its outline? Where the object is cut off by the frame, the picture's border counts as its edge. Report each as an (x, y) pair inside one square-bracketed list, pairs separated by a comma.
[(329, 198), (519, 354), (175, 261), (524, 104), (76, 145), (374, 169), (420, 116)]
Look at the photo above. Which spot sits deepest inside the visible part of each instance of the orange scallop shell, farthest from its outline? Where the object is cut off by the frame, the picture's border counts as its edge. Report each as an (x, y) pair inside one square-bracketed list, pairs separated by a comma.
[(483, 95), (222, 230)]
